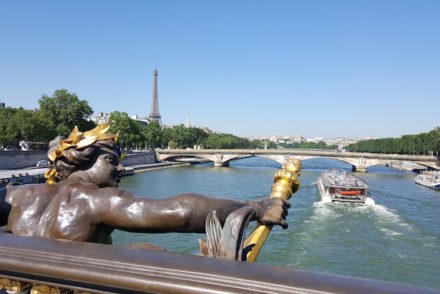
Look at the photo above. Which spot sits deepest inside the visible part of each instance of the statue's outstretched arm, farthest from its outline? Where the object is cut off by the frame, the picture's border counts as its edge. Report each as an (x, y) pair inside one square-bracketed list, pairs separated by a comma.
[(181, 213)]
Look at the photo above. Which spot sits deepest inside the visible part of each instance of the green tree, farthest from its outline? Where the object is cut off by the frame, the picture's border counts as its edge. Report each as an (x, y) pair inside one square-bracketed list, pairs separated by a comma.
[(172, 144), (6, 137), (64, 111), (153, 134), (42, 131), (19, 124), (256, 144), (130, 131), (226, 141), (309, 145), (194, 136), (167, 136), (179, 136), (423, 143), (183, 137)]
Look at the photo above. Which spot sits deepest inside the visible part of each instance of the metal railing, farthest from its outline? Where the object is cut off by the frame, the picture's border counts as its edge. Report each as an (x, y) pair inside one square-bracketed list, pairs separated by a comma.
[(76, 267)]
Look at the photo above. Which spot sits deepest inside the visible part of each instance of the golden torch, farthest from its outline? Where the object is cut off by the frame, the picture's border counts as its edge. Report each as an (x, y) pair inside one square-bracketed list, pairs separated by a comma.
[(286, 182)]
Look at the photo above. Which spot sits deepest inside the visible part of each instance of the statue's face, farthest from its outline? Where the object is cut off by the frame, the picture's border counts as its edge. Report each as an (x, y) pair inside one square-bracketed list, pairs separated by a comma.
[(107, 170)]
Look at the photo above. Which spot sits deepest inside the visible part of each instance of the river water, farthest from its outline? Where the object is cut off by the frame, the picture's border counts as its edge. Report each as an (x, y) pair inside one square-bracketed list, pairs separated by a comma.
[(394, 238)]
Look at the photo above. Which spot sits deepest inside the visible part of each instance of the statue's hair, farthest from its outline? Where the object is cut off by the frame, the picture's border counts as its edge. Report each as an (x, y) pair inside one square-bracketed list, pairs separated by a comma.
[(72, 159)]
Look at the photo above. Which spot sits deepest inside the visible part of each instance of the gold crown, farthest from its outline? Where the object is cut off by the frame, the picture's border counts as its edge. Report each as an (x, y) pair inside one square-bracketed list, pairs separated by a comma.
[(80, 140)]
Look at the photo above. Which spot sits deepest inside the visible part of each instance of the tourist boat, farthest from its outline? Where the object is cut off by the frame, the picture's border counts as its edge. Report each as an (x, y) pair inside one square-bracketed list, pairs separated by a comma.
[(429, 179), (341, 186)]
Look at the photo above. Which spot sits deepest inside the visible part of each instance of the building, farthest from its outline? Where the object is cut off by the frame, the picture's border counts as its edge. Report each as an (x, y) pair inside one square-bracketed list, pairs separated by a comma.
[(101, 118), (142, 120), (2, 105)]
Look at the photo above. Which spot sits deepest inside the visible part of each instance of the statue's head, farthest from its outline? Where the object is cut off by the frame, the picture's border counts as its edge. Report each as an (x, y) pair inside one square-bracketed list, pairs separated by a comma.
[(94, 153)]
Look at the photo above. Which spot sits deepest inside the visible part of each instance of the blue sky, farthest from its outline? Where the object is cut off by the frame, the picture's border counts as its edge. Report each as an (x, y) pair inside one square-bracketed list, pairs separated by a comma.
[(251, 68)]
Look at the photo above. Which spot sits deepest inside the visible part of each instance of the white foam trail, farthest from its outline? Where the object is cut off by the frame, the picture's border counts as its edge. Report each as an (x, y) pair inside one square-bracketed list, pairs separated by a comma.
[(389, 215), (326, 199), (323, 211), (382, 211), (390, 232), (369, 201)]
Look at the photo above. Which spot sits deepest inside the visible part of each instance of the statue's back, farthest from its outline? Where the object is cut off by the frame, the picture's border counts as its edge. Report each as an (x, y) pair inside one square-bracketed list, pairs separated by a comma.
[(52, 211)]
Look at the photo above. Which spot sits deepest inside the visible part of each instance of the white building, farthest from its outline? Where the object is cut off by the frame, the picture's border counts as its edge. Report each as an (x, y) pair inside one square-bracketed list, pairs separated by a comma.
[(100, 118), (142, 120)]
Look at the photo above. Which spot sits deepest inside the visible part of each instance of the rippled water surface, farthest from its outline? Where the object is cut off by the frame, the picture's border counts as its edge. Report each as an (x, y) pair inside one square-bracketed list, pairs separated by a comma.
[(394, 238)]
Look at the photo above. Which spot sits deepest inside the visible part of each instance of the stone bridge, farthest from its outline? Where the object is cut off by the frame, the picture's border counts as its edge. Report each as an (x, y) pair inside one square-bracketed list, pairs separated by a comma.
[(359, 161)]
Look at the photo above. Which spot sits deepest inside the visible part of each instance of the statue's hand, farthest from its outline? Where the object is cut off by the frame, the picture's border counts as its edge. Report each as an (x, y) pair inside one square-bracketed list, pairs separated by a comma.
[(271, 211)]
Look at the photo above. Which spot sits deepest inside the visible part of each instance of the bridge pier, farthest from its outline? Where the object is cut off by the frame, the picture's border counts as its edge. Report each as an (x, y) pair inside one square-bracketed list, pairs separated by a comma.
[(359, 168), (220, 163), (219, 160)]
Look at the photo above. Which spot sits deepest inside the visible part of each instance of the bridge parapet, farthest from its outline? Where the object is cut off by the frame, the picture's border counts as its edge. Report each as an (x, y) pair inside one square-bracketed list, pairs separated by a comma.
[(219, 158), (359, 161)]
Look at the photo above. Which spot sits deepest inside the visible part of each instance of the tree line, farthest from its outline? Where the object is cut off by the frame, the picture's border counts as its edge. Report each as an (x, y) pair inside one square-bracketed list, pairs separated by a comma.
[(134, 135), (309, 145), (59, 113), (420, 144)]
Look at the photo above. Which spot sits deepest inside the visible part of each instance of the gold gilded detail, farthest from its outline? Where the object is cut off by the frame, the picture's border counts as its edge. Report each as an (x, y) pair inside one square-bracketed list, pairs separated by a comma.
[(43, 289), (286, 182), (78, 140), (51, 176), (14, 286)]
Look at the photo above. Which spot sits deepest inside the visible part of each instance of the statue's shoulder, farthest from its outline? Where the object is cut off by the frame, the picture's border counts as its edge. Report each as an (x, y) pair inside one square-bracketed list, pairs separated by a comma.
[(29, 192), (84, 189), (74, 190), (116, 191)]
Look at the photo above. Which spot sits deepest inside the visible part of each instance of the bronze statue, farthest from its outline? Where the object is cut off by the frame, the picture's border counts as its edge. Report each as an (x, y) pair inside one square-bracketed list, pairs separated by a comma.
[(81, 200)]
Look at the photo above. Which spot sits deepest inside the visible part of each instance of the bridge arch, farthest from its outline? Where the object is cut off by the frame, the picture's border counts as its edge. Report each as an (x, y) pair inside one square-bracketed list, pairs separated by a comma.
[(358, 161), (354, 162), (219, 159)]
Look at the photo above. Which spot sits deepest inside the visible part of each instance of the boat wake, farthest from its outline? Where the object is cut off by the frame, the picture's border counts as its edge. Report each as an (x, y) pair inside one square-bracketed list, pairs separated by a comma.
[(326, 199), (323, 210), (369, 201), (389, 215), (388, 218), (390, 232), (384, 216)]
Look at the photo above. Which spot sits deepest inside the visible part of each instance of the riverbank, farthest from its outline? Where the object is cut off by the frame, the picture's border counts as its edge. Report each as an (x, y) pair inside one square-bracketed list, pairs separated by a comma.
[(11, 160), (140, 168), (36, 174)]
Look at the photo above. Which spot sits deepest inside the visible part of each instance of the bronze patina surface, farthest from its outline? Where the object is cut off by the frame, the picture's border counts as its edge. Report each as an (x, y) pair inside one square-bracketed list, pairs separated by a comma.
[(82, 201)]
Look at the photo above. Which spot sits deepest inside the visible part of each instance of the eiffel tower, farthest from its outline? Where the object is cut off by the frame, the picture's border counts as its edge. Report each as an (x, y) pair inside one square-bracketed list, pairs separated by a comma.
[(154, 112)]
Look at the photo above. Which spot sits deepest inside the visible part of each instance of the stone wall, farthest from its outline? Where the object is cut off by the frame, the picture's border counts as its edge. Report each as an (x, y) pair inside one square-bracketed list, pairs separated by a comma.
[(22, 159), (139, 158)]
